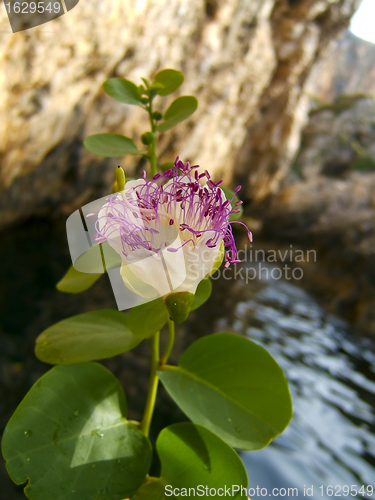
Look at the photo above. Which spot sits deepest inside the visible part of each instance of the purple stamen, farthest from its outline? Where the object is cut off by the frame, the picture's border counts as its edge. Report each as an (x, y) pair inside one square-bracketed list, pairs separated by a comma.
[(172, 198)]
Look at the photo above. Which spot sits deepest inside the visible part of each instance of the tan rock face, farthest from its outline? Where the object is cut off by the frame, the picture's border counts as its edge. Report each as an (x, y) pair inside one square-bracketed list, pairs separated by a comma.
[(348, 69), (247, 62), (338, 139), (330, 206)]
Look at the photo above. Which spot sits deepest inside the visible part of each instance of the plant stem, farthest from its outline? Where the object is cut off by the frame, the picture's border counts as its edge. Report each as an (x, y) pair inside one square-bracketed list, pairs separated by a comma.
[(152, 385), (155, 362), (170, 342), (152, 157), (152, 146)]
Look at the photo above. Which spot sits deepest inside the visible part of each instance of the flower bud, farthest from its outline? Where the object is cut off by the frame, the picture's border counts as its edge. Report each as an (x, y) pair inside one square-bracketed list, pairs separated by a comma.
[(144, 100), (156, 115), (179, 305), (147, 138), (120, 178)]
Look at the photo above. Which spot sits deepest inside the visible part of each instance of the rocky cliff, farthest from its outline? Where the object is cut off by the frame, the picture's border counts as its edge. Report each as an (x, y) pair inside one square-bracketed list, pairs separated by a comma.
[(338, 139), (328, 205), (348, 68), (247, 62)]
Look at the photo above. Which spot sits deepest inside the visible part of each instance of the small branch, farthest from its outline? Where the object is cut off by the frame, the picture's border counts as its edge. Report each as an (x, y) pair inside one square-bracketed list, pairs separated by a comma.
[(152, 385), (170, 343), (152, 158)]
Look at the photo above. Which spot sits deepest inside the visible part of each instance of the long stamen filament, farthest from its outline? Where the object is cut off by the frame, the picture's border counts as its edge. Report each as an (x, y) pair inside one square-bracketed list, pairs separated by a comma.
[(176, 195)]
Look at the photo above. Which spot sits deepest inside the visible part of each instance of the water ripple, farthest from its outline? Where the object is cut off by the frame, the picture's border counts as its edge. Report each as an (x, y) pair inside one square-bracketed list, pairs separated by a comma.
[(331, 439)]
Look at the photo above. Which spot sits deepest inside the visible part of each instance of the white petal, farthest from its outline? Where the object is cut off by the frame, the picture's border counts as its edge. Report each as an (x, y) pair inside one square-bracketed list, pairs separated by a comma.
[(151, 268), (136, 285), (198, 263), (134, 183)]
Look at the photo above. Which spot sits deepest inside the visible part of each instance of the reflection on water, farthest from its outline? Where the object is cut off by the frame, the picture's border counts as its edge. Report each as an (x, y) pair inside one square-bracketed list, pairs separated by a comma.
[(331, 439)]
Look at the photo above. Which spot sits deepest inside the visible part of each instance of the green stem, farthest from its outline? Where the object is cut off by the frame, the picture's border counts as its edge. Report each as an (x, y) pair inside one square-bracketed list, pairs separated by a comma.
[(168, 368), (170, 342), (152, 157), (152, 146), (155, 362), (152, 385)]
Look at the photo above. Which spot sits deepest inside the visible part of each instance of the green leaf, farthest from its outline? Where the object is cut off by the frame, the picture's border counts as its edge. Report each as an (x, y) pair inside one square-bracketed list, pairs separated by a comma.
[(202, 294), (180, 109), (86, 337), (146, 319), (192, 456), (111, 145), (233, 387), (75, 282), (229, 194), (167, 81), (88, 268), (123, 90), (70, 438), (91, 261)]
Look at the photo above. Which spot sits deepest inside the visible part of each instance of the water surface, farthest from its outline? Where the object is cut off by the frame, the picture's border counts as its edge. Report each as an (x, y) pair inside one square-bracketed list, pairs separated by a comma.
[(331, 373)]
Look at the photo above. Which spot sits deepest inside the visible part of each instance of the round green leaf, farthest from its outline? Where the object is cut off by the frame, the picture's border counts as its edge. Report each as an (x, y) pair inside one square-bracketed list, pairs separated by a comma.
[(191, 457), (167, 81), (146, 319), (98, 259), (123, 90), (229, 195), (232, 386), (180, 109), (69, 437), (86, 337), (111, 145), (75, 282), (202, 294)]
